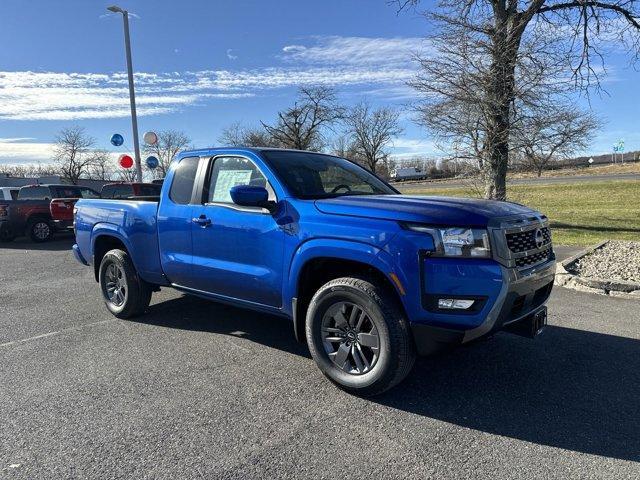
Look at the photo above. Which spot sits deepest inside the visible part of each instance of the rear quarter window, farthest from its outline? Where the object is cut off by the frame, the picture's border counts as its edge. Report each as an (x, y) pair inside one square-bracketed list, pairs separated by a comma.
[(183, 180)]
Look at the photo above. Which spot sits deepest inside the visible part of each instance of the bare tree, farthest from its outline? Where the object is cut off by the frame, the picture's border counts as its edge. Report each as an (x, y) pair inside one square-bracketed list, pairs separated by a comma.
[(101, 165), (127, 175), (29, 170), (301, 126), (72, 153), (169, 144), (557, 134), (494, 56), (372, 131), (239, 135), (343, 146)]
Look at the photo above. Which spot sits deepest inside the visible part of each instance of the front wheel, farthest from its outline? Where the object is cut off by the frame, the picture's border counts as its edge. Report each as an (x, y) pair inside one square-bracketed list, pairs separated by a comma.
[(358, 336), (125, 293)]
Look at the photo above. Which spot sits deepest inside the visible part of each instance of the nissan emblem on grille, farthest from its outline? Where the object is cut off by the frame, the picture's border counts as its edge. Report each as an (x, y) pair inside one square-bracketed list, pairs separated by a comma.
[(539, 238)]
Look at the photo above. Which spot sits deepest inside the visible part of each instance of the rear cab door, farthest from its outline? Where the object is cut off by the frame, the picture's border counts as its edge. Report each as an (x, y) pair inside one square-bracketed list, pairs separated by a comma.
[(175, 220)]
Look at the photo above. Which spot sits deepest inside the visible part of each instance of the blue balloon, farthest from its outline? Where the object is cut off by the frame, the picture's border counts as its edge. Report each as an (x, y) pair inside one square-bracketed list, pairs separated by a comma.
[(152, 162), (117, 139)]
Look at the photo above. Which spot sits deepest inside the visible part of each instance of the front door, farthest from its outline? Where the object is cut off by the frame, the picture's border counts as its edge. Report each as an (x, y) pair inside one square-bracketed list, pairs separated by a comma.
[(237, 251)]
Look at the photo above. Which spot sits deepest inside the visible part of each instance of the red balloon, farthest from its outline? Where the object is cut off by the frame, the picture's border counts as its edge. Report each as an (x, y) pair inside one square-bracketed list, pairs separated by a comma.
[(126, 161)]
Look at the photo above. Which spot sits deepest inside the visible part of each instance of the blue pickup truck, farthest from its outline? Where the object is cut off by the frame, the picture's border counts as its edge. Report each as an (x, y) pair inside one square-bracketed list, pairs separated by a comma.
[(370, 278)]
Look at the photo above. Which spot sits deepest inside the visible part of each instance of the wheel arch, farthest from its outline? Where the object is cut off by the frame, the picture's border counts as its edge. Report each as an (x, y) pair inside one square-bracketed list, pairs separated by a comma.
[(105, 239), (317, 263)]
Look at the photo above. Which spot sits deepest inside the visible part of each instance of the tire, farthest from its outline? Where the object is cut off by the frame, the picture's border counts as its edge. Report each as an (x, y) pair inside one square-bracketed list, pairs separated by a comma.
[(125, 294), (364, 369), (39, 230)]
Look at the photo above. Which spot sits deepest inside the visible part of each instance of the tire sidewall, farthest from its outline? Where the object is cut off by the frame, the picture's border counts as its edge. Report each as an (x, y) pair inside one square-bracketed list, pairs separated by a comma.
[(32, 234), (322, 301), (107, 260)]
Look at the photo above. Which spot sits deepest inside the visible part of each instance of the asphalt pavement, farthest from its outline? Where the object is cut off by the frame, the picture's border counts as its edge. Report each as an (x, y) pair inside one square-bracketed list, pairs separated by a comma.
[(195, 389)]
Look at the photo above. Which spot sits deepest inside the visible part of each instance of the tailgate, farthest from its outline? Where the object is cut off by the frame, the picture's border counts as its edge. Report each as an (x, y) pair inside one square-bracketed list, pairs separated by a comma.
[(62, 208)]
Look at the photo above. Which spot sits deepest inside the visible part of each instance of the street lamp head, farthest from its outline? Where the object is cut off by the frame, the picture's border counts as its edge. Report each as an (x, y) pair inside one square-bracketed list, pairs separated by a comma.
[(115, 9)]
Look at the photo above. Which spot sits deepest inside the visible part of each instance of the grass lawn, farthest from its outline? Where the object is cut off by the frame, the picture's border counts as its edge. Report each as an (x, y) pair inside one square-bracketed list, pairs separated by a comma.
[(580, 213)]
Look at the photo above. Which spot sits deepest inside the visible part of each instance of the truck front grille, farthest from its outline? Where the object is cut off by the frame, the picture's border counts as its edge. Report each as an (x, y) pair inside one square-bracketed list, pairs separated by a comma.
[(534, 259), (525, 241)]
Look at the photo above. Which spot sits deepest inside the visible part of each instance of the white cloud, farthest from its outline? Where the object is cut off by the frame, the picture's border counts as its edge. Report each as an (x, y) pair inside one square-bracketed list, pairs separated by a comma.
[(361, 51), (21, 150), (405, 148), (73, 96), (376, 65), (230, 54)]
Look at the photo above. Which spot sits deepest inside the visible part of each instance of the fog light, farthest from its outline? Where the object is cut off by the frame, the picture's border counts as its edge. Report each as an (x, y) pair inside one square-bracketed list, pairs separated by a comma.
[(454, 303)]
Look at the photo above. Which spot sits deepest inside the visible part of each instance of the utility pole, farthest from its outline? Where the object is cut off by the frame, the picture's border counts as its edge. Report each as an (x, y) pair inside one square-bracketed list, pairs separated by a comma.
[(132, 95)]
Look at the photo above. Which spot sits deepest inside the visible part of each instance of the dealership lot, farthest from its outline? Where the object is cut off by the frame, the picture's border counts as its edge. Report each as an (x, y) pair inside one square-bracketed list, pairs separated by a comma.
[(195, 389)]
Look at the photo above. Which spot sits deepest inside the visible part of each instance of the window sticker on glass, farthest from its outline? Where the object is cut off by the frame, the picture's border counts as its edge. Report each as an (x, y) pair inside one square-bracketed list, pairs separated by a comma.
[(228, 179)]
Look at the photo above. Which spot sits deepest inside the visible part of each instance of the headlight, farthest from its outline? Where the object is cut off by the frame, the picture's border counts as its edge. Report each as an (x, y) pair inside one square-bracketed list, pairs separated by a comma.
[(456, 242)]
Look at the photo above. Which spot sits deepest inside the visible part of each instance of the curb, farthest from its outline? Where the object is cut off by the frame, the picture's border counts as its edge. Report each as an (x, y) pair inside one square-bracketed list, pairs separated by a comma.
[(565, 277)]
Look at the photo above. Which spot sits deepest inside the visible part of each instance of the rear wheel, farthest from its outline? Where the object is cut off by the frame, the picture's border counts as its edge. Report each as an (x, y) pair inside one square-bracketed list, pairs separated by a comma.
[(39, 230), (125, 294), (358, 336)]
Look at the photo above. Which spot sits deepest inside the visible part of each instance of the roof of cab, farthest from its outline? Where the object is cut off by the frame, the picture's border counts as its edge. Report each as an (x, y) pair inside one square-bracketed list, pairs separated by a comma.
[(212, 150)]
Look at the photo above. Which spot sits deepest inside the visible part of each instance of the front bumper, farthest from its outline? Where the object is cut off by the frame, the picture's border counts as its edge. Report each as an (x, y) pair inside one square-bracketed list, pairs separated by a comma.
[(522, 294)]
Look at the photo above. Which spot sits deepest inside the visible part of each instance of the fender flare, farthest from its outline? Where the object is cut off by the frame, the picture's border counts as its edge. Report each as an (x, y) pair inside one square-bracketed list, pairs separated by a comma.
[(330, 248), (105, 229)]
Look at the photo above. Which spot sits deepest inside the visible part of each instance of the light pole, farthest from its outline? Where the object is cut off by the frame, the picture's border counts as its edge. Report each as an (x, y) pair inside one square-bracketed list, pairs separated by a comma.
[(132, 95)]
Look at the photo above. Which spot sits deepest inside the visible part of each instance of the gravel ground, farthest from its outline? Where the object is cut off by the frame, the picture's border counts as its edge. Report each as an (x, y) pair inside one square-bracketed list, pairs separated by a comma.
[(617, 260)]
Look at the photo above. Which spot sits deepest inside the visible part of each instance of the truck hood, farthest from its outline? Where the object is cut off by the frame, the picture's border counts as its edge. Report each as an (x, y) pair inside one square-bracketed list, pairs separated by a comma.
[(450, 211)]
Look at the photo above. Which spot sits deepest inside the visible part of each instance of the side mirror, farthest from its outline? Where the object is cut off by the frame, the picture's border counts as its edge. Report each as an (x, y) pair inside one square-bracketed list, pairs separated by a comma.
[(251, 196)]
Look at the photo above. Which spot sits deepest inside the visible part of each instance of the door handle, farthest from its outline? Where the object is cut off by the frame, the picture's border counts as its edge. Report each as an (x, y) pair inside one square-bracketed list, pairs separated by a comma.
[(202, 221)]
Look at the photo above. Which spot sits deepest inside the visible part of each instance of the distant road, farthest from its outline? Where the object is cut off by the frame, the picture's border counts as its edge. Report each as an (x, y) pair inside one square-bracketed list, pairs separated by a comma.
[(523, 181)]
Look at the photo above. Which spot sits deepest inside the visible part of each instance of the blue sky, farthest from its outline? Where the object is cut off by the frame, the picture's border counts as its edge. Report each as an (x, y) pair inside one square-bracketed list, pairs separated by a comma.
[(202, 65)]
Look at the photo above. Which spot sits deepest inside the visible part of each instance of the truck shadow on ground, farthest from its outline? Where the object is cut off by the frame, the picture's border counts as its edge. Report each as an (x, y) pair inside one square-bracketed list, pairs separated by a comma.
[(571, 389), (62, 241)]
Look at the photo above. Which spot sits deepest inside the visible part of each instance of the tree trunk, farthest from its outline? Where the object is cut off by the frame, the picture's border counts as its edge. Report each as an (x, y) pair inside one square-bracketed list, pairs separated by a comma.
[(500, 92)]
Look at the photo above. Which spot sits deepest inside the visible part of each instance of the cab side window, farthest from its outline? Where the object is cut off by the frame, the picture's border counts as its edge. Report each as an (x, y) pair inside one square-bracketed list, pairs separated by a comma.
[(183, 179), (227, 172)]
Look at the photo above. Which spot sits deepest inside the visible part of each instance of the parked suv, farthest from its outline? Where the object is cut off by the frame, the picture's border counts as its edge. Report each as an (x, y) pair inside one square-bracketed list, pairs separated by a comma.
[(41, 210)]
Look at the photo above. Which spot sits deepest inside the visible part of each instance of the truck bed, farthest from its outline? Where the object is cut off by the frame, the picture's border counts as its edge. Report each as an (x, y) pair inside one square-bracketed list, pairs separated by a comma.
[(134, 222)]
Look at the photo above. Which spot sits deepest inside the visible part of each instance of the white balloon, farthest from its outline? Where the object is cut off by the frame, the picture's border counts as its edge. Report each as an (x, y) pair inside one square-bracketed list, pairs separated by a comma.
[(150, 138)]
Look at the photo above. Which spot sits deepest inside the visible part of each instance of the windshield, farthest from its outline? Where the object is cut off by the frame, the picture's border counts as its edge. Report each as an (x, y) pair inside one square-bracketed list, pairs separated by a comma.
[(314, 175)]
